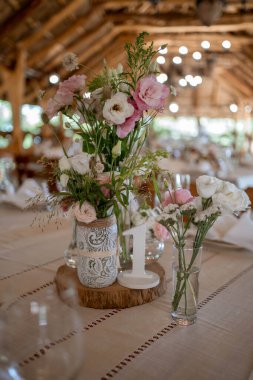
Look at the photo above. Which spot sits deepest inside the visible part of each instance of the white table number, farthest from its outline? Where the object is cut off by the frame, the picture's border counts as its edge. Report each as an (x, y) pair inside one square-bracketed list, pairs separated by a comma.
[(138, 277)]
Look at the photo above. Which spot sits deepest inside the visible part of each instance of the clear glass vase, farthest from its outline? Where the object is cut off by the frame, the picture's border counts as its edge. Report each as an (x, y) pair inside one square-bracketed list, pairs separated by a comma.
[(71, 253), (186, 267)]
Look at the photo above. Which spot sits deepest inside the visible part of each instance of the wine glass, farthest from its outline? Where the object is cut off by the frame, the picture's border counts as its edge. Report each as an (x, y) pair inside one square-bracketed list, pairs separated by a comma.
[(182, 181), (44, 338)]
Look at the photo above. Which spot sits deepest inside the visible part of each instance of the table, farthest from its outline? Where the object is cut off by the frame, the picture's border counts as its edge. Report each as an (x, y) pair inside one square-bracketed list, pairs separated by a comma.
[(241, 176), (141, 342)]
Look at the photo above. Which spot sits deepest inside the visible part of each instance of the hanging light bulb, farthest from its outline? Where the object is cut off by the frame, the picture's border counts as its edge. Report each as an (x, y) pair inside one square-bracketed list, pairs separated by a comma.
[(54, 78)]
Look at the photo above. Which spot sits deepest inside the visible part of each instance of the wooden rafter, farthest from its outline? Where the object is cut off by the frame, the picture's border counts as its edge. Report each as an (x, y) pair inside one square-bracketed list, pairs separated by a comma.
[(52, 22)]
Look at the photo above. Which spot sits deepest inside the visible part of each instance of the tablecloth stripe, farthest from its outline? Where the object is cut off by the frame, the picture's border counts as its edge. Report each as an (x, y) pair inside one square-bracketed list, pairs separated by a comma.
[(122, 364)]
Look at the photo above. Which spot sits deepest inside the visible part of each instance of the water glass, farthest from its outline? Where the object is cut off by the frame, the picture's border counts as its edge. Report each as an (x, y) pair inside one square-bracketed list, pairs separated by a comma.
[(182, 181)]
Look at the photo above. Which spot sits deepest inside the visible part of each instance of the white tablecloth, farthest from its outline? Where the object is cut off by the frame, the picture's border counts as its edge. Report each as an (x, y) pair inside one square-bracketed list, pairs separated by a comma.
[(242, 176), (141, 342)]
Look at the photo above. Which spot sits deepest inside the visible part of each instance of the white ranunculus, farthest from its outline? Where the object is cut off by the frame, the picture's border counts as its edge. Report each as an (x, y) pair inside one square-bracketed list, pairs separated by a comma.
[(207, 186), (117, 109), (234, 201), (64, 164), (81, 163), (64, 179)]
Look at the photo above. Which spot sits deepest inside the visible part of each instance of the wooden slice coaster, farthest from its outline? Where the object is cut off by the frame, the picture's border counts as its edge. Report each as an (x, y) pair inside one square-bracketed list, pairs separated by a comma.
[(111, 297)]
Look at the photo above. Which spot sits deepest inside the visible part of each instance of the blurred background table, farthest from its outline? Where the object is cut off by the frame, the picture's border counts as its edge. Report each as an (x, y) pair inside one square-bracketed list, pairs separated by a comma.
[(140, 342)]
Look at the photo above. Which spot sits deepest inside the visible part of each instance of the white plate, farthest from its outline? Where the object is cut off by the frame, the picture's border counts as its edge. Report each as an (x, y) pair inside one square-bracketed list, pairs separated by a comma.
[(222, 244)]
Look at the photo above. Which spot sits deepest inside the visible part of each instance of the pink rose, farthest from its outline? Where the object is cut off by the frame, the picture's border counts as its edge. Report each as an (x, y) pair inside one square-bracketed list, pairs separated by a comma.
[(150, 94), (160, 232), (179, 196), (126, 127), (86, 213)]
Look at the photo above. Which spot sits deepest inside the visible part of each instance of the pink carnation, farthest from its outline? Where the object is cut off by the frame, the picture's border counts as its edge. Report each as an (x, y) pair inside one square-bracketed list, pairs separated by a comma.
[(73, 84), (161, 233), (150, 94), (126, 127), (65, 94), (52, 108), (179, 196)]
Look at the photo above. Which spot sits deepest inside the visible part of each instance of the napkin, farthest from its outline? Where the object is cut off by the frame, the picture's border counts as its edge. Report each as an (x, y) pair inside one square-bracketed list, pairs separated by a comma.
[(28, 190), (232, 230)]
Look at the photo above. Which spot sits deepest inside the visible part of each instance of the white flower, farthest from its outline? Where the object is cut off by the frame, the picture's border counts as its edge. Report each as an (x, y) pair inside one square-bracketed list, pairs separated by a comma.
[(234, 201), (64, 164), (207, 186), (99, 167), (170, 208), (188, 207), (64, 179), (81, 163), (75, 147), (70, 62), (116, 150), (86, 213), (117, 109), (197, 202)]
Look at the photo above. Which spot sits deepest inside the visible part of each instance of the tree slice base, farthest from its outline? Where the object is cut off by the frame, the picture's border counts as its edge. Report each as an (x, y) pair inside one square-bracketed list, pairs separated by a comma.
[(111, 297)]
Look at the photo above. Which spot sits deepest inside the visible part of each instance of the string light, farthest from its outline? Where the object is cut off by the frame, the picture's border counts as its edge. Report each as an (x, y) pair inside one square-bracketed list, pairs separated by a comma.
[(177, 60), (198, 79), (226, 44), (160, 60), (205, 44), (189, 78), (183, 50), (233, 108), (173, 107), (182, 82), (162, 77), (197, 55), (163, 51), (54, 78)]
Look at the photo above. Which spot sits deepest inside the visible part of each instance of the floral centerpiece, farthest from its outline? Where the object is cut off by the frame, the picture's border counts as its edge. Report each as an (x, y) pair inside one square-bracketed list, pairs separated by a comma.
[(111, 114), (180, 211)]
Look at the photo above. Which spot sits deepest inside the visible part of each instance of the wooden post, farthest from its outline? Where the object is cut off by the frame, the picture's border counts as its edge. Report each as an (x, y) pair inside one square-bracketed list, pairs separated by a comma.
[(14, 84)]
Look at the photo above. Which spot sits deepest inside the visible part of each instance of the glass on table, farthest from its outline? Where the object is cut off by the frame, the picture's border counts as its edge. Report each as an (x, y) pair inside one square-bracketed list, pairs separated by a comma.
[(43, 338), (6, 180), (180, 180)]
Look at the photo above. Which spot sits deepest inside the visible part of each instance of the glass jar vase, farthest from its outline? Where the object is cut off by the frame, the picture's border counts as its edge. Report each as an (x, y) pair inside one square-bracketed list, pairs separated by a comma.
[(185, 279), (97, 244)]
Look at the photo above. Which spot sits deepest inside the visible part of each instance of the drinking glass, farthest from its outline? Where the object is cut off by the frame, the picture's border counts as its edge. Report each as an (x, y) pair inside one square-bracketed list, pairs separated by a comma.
[(43, 339), (182, 181)]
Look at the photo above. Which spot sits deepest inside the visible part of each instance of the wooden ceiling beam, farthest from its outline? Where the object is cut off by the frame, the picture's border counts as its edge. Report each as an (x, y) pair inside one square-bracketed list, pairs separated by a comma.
[(94, 49), (19, 17), (176, 19), (238, 83), (59, 44), (136, 27), (53, 22), (87, 42)]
